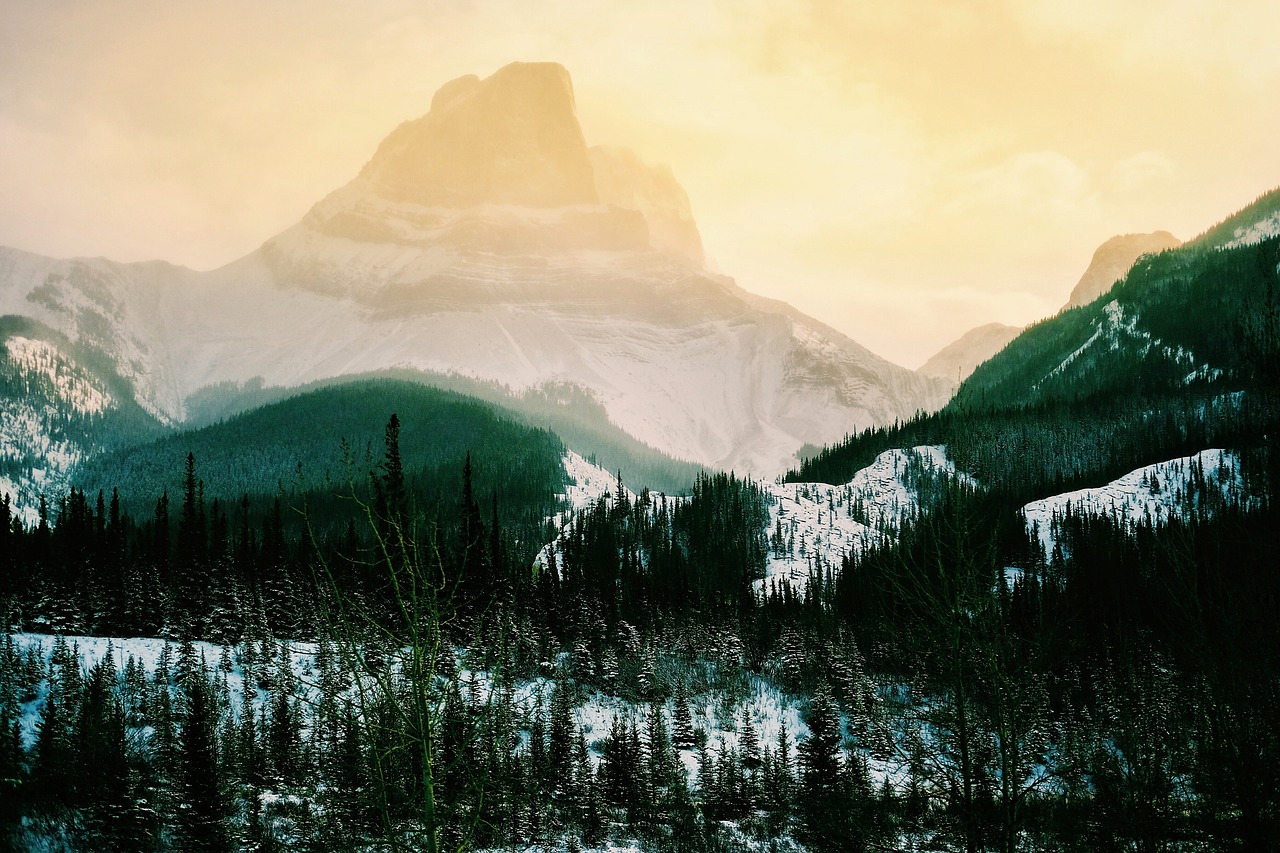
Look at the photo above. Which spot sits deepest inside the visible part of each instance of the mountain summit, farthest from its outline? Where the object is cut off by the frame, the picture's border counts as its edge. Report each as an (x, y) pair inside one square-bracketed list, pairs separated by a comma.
[(1113, 259), (512, 138)]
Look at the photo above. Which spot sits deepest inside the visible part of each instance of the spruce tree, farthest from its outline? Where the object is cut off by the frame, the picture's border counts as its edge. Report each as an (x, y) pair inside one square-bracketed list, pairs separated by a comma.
[(823, 809), (202, 811)]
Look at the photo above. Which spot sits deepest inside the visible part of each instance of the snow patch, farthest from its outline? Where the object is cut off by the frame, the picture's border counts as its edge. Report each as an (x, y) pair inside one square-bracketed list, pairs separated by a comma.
[(1155, 493), (814, 525), (1263, 229)]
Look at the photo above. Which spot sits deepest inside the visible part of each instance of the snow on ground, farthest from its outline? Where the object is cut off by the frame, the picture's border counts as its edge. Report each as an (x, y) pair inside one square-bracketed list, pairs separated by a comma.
[(1264, 229), (716, 712), (72, 386), (147, 651), (587, 483), (813, 524), (1157, 492), (32, 442)]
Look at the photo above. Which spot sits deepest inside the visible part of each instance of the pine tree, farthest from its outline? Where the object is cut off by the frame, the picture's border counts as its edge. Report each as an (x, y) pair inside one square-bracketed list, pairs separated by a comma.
[(682, 733), (561, 744), (52, 771), (202, 812), (823, 809)]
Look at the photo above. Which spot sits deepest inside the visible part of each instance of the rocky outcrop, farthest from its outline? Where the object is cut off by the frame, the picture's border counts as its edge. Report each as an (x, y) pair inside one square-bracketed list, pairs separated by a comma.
[(512, 138), (1113, 259)]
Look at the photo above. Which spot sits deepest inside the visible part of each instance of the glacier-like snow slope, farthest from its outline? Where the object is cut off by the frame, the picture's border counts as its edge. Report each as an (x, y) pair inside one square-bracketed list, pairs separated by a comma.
[(816, 524), (1155, 493)]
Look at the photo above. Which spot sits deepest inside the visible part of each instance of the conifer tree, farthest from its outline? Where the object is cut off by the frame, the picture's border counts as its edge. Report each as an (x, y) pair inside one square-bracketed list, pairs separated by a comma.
[(202, 811), (822, 806)]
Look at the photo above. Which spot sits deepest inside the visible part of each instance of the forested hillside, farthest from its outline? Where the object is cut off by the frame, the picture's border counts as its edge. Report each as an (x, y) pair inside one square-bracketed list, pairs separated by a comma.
[(415, 643)]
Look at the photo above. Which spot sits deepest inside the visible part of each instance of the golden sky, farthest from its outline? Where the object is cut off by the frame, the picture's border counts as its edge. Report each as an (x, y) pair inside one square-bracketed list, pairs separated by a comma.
[(901, 169)]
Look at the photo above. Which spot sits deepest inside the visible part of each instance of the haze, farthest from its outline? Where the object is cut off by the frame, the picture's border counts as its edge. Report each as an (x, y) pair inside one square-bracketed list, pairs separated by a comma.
[(903, 171)]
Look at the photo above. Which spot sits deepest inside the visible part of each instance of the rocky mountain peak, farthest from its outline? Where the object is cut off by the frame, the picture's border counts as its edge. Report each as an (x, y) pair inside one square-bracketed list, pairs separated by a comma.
[(1112, 261), (512, 138)]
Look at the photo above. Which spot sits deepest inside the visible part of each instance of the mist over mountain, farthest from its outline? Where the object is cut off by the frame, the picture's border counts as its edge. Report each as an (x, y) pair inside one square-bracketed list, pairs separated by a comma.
[(954, 362)]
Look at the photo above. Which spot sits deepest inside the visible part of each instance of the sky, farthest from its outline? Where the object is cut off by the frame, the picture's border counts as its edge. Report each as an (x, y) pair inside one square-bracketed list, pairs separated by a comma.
[(901, 170)]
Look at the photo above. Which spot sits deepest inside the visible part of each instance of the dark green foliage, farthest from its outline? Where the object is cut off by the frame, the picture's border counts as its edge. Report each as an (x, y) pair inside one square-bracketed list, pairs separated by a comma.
[(202, 810), (298, 445)]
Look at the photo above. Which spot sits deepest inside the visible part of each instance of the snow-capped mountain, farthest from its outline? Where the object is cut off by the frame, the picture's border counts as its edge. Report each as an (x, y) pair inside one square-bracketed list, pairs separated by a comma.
[(1188, 317), (488, 240)]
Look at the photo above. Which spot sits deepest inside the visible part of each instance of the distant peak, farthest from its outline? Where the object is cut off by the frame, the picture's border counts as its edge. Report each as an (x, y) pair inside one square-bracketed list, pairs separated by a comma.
[(1112, 261), (511, 138)]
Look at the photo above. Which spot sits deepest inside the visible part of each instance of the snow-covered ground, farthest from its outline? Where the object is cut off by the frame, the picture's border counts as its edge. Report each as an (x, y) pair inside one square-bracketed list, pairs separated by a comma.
[(715, 712), (39, 359), (1155, 492), (812, 524), (587, 483), (30, 433)]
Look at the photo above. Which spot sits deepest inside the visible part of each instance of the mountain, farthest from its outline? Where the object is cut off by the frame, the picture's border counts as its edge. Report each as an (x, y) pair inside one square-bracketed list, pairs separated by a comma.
[(957, 360), (1257, 222), (60, 403), (488, 240), (329, 438), (1113, 259), (1201, 315), (954, 362), (1180, 356)]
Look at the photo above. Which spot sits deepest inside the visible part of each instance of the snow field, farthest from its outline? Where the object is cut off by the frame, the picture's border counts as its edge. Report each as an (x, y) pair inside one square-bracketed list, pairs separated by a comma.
[(1156, 493), (821, 523), (716, 712)]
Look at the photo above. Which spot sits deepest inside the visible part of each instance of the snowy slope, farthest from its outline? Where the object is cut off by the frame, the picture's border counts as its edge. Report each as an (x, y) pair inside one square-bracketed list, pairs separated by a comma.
[(1116, 329), (1156, 493), (1256, 232), (46, 400), (813, 525), (586, 484)]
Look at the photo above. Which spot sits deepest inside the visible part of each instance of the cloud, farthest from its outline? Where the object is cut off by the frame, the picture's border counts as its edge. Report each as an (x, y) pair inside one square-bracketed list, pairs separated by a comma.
[(1140, 170), (1037, 184)]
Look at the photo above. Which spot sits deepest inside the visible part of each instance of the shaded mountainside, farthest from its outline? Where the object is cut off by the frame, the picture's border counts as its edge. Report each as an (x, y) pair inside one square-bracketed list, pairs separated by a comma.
[(1183, 318), (60, 403), (326, 440)]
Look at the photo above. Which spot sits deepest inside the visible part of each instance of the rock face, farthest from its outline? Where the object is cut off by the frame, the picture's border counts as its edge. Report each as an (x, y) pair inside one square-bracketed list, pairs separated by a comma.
[(486, 239), (512, 138), (953, 363), (1113, 259), (624, 180)]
